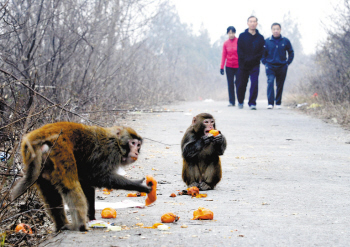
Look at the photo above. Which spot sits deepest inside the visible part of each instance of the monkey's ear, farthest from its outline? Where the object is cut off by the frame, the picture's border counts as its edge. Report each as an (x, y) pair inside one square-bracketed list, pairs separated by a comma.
[(115, 130), (194, 120)]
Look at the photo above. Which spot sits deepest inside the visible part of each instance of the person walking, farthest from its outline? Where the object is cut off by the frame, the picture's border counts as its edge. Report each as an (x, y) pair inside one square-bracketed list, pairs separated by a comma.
[(276, 64), (250, 50), (230, 56)]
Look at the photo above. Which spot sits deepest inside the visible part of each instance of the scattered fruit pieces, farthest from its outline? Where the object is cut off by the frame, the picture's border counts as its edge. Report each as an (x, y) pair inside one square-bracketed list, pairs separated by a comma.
[(193, 191), (108, 213), (201, 195), (131, 195), (143, 194), (203, 214), (139, 224), (214, 132), (155, 225), (134, 158), (107, 190), (184, 226), (152, 196), (169, 218), (24, 228), (173, 195), (106, 193)]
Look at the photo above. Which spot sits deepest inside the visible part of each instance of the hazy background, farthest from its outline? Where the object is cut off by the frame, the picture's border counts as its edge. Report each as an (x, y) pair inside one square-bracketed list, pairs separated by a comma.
[(216, 16)]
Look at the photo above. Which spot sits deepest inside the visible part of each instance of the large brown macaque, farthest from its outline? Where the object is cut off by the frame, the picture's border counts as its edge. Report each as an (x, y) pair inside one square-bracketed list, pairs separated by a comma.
[(67, 161), (200, 152)]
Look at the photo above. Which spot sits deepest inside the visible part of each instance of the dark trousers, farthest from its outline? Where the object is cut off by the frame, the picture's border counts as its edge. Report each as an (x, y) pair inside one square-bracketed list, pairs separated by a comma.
[(231, 74), (243, 77), (280, 74)]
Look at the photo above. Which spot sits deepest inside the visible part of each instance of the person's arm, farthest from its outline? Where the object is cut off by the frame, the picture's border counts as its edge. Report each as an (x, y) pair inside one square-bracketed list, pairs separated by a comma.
[(265, 54), (290, 52), (223, 57), (260, 51), (240, 51)]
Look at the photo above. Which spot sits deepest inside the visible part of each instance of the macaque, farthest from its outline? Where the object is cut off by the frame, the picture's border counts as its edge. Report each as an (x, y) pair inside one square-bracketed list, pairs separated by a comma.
[(200, 152), (67, 161)]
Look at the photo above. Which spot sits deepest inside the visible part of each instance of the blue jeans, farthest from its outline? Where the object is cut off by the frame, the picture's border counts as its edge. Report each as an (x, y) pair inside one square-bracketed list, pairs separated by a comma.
[(278, 73), (231, 73), (243, 77)]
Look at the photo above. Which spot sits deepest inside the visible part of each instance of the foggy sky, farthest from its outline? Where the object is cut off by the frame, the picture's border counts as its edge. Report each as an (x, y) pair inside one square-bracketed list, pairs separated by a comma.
[(217, 15)]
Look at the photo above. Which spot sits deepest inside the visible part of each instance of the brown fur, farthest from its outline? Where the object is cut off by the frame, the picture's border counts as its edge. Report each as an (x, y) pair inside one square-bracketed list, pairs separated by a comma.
[(66, 161), (201, 161)]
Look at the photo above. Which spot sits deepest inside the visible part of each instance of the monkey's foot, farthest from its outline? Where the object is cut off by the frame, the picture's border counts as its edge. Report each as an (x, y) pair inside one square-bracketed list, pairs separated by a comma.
[(194, 184), (70, 227), (204, 186)]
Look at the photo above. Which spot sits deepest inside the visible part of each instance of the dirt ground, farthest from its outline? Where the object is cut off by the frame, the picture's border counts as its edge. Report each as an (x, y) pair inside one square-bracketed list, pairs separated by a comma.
[(286, 182)]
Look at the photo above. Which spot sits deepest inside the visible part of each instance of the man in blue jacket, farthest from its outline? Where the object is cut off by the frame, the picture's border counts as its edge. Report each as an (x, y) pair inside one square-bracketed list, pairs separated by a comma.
[(250, 48), (276, 63)]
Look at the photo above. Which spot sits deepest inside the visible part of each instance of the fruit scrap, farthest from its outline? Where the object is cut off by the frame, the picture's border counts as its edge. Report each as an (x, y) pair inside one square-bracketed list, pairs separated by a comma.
[(193, 191), (173, 195), (155, 225), (142, 194), (107, 190), (24, 228), (203, 214), (131, 195), (201, 195), (106, 193), (134, 158), (152, 196), (169, 218), (108, 213), (214, 132)]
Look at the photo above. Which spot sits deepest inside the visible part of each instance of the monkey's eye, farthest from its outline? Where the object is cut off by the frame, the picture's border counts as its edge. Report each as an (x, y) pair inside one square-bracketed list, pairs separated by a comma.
[(133, 143)]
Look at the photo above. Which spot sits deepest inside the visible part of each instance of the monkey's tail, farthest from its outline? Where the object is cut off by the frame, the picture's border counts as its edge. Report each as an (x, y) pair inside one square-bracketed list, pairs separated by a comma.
[(32, 158)]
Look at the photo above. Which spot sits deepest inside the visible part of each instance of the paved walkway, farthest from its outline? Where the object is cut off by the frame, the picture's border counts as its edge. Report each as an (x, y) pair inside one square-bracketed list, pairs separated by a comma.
[(286, 182)]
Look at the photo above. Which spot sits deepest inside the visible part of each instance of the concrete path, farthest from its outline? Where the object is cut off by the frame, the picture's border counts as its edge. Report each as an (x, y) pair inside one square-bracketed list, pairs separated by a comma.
[(286, 182)]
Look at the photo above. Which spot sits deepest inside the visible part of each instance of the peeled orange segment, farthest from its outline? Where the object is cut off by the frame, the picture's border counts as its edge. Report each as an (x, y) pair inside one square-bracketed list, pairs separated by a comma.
[(131, 195), (203, 214), (193, 191), (134, 158), (108, 213), (214, 132), (24, 228), (169, 218), (152, 196)]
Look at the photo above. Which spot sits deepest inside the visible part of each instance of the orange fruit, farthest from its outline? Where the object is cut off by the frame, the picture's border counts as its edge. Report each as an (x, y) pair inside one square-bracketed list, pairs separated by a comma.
[(24, 228), (169, 218), (108, 213), (214, 132), (152, 196), (131, 195), (203, 214), (173, 195), (193, 191)]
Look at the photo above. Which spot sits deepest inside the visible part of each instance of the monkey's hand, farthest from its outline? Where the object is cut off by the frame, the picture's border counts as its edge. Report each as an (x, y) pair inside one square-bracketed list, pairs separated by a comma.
[(207, 139), (218, 139)]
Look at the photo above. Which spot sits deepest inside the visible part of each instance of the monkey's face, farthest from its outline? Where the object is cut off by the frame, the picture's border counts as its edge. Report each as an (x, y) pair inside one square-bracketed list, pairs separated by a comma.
[(134, 150), (209, 124)]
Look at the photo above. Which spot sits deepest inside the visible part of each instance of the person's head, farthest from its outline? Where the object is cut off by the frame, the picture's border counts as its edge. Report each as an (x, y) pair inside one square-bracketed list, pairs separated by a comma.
[(276, 29), (231, 32), (252, 22)]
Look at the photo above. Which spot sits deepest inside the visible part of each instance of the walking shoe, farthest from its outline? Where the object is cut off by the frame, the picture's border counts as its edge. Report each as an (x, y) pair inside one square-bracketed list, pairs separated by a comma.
[(252, 107), (270, 107), (240, 106), (230, 105), (278, 107)]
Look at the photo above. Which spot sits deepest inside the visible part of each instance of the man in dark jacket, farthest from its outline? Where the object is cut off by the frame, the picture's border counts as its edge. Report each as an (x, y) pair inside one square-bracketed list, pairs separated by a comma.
[(250, 50), (276, 64)]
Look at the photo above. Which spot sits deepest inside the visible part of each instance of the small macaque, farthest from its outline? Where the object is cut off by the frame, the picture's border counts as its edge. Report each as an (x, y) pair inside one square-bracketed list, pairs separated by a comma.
[(200, 152), (67, 161)]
